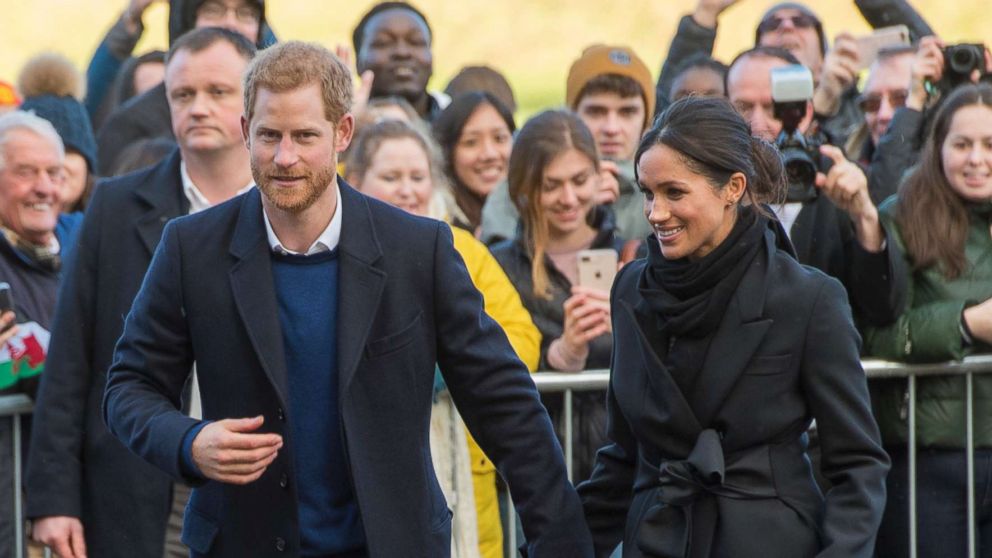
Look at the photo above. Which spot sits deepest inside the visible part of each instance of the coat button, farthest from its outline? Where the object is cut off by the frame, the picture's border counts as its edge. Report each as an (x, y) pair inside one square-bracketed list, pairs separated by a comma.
[(280, 544), (284, 480), (281, 415)]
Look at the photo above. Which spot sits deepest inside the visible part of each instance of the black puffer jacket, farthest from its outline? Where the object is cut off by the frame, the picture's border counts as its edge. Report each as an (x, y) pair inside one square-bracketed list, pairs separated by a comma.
[(589, 419)]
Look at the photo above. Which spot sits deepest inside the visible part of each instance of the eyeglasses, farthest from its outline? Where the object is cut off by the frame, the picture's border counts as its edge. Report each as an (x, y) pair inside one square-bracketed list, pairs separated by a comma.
[(215, 11), (773, 23), (870, 104)]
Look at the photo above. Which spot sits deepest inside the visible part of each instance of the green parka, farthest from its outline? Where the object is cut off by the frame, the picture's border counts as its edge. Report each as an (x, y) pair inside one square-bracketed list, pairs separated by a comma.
[(930, 331)]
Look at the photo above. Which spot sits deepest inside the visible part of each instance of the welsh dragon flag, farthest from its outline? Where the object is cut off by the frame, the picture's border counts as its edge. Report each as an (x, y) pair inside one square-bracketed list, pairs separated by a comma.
[(24, 355)]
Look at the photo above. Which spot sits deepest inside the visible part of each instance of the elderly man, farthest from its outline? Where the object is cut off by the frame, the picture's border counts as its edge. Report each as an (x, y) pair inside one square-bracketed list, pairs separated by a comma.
[(316, 317), (32, 237), (85, 491)]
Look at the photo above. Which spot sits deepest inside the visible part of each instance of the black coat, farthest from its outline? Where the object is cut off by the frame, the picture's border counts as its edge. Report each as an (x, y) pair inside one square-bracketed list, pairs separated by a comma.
[(408, 303), (76, 467), (143, 117), (785, 352), (824, 238)]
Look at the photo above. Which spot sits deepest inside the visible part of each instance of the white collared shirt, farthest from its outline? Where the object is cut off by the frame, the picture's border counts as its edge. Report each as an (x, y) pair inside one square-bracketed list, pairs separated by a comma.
[(197, 201), (327, 241)]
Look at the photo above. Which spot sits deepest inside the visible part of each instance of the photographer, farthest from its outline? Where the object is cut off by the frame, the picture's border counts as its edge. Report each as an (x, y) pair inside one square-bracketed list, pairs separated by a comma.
[(796, 28), (897, 150), (885, 91), (833, 224)]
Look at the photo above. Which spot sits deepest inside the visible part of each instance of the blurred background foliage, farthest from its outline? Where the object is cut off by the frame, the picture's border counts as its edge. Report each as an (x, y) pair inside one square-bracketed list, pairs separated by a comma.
[(532, 42)]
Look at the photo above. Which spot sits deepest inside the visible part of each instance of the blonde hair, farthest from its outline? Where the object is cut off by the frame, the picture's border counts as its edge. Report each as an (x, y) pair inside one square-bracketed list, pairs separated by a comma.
[(294, 64), (372, 137)]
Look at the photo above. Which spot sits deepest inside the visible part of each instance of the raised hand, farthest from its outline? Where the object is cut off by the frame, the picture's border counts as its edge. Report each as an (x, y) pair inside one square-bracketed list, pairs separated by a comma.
[(928, 66), (363, 89), (840, 71), (135, 10), (846, 185), (609, 186), (587, 316), (708, 11)]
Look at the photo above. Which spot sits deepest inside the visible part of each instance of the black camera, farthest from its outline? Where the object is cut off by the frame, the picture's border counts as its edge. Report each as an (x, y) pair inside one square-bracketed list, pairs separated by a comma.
[(960, 61), (792, 90)]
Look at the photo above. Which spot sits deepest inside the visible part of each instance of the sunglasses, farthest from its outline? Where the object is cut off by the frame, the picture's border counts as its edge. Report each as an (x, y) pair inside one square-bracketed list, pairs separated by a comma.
[(774, 23), (871, 103), (215, 11)]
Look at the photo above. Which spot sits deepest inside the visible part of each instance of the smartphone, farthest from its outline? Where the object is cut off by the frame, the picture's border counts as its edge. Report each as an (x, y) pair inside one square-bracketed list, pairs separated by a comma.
[(597, 268), (6, 300), (886, 37)]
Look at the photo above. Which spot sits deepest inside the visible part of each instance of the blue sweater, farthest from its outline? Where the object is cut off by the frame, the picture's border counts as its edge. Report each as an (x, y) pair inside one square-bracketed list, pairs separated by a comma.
[(307, 294)]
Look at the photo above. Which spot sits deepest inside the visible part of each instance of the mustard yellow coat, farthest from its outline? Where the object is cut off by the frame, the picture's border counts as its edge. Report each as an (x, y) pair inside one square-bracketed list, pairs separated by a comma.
[(503, 304)]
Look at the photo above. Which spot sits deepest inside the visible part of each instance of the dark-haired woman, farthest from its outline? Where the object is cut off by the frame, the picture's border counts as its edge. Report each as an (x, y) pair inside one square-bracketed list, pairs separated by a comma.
[(725, 349), (941, 217), (476, 134)]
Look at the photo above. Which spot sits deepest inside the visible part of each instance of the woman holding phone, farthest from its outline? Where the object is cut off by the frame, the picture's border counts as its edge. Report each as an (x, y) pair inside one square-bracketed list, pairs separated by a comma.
[(553, 181), (725, 350)]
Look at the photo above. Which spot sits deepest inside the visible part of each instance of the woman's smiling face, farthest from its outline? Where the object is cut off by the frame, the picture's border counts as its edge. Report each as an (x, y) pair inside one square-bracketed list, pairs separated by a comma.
[(688, 215)]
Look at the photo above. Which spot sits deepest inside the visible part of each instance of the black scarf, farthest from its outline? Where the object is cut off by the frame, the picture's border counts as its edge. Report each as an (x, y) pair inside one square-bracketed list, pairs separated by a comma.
[(690, 298)]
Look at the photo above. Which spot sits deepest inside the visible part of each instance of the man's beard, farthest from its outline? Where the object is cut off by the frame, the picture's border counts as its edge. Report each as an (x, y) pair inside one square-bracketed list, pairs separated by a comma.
[(295, 200)]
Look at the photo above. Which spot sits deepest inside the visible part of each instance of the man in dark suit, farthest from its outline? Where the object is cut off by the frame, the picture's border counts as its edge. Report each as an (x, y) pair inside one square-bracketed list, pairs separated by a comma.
[(85, 491), (315, 316)]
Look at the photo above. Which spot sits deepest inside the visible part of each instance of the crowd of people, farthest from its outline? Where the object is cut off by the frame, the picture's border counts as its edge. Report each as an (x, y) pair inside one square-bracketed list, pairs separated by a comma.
[(764, 245)]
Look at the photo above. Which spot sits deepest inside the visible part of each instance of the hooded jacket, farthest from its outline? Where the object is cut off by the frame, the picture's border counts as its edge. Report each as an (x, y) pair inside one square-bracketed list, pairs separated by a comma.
[(182, 18)]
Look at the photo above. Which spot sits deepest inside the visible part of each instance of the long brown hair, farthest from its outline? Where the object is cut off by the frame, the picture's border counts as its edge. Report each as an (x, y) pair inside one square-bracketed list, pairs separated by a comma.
[(542, 139), (932, 217)]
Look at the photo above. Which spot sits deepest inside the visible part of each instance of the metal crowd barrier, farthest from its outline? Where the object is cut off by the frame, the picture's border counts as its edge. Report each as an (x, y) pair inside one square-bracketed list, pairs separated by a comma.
[(16, 406), (568, 383), (981, 364)]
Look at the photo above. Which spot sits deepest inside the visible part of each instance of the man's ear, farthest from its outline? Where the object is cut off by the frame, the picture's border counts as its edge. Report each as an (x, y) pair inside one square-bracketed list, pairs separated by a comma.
[(245, 132), (344, 132)]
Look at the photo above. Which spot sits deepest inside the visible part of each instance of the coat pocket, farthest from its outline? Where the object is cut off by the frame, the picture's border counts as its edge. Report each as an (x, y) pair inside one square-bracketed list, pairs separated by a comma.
[(768, 365), (199, 531), (394, 341)]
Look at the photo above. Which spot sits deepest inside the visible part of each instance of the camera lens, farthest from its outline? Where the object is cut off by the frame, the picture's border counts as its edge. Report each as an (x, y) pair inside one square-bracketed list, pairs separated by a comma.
[(800, 171), (963, 60)]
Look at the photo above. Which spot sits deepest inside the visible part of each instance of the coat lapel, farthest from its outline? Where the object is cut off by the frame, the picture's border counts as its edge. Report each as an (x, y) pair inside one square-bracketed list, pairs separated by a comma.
[(164, 200), (360, 281), (254, 291), (737, 338), (676, 410)]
